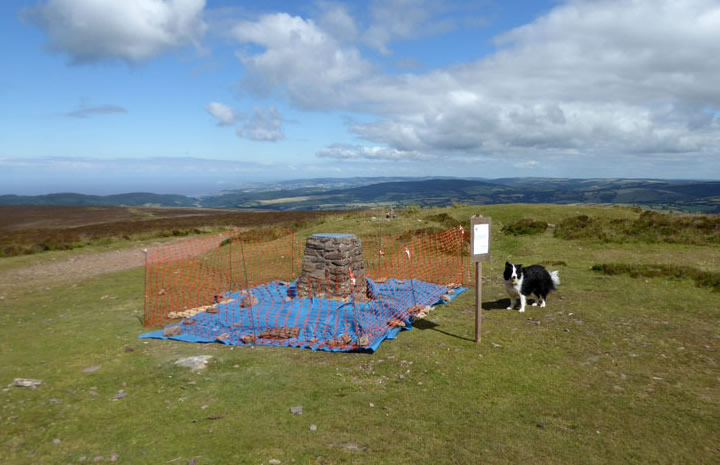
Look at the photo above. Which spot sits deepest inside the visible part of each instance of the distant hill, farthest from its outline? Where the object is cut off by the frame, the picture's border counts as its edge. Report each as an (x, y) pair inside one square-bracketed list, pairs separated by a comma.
[(332, 193), (135, 199)]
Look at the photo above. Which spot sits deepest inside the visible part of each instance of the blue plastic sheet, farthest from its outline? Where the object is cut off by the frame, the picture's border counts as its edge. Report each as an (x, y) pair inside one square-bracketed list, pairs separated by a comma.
[(319, 323)]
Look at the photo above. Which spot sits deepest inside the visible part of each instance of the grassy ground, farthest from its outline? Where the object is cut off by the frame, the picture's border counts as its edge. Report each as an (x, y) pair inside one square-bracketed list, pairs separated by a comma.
[(614, 370)]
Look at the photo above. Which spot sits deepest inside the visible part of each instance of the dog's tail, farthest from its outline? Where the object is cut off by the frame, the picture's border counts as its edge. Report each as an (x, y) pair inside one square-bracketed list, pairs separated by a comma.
[(555, 276)]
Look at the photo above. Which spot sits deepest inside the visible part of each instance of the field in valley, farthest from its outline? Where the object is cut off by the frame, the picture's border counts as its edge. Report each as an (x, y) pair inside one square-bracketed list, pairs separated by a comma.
[(621, 367)]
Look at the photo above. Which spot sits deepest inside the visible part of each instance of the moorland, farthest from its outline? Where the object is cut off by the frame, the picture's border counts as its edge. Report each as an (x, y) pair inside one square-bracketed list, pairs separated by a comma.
[(621, 367)]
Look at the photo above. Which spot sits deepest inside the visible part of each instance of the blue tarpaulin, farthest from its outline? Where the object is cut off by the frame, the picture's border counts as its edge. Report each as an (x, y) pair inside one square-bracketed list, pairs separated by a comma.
[(279, 318)]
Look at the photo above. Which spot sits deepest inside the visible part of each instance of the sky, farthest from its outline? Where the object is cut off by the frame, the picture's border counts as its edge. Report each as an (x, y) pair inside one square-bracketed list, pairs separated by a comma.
[(198, 96)]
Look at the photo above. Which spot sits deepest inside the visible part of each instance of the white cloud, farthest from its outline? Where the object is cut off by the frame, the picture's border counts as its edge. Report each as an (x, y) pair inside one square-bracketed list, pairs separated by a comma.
[(337, 21), (264, 125), (404, 19), (298, 58), (128, 30), (360, 152), (84, 111), (222, 112), (591, 77)]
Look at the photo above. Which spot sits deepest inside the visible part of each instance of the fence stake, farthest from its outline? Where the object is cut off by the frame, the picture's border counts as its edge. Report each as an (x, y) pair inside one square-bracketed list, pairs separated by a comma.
[(478, 301)]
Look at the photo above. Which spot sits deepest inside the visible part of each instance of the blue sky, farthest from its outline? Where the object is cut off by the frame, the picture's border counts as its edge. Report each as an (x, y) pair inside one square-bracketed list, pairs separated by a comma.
[(196, 96)]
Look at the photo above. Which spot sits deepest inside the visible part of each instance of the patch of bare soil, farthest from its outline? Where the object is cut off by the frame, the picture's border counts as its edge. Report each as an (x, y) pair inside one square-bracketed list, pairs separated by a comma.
[(81, 267)]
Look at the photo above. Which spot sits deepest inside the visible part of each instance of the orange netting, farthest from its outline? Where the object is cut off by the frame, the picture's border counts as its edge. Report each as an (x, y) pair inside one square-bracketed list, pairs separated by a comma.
[(245, 287)]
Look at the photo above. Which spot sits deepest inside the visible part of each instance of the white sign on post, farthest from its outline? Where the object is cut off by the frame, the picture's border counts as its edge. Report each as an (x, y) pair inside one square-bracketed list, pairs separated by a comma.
[(482, 239)]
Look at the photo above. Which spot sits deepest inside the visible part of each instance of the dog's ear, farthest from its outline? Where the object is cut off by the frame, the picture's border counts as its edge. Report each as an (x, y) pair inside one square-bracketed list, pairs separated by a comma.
[(518, 268), (507, 264)]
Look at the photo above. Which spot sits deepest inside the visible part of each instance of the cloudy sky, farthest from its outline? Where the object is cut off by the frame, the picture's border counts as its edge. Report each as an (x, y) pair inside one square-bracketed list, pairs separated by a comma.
[(196, 96)]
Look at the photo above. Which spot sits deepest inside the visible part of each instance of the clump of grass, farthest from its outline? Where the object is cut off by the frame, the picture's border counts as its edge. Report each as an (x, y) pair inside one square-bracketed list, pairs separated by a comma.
[(649, 227), (444, 219), (701, 278), (525, 227)]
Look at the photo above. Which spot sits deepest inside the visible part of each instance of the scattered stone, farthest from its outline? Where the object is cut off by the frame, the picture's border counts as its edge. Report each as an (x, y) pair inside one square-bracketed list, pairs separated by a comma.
[(496, 346), (27, 382), (298, 410), (82, 459), (351, 446), (313, 427), (248, 339), (446, 298), (121, 394), (274, 462), (195, 363), (618, 388), (56, 441), (114, 457), (540, 425), (281, 333), (92, 369), (172, 331), (249, 301), (128, 349), (98, 459)]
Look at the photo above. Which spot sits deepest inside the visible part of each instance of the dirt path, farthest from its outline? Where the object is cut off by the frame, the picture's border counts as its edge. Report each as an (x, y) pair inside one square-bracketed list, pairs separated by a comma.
[(88, 265), (76, 268)]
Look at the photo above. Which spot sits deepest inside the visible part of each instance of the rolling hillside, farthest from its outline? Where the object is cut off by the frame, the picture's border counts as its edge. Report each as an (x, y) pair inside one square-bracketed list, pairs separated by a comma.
[(332, 194)]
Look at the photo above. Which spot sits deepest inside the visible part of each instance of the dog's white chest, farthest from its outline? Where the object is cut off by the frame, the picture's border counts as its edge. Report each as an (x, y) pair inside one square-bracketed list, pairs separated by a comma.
[(513, 289)]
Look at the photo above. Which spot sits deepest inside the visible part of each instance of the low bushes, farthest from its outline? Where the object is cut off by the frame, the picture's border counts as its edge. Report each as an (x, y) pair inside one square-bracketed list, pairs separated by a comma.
[(702, 278), (525, 226), (649, 226)]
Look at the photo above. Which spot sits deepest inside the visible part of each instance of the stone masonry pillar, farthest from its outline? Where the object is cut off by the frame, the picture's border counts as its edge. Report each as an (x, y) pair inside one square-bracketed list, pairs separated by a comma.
[(330, 265)]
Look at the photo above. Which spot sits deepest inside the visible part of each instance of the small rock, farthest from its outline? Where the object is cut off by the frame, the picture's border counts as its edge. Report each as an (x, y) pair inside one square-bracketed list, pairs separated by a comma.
[(313, 427), (172, 331), (372, 405), (121, 394), (98, 459), (92, 369), (82, 459), (56, 441), (298, 410), (496, 346), (274, 462), (195, 363), (249, 301), (129, 349), (27, 382), (114, 457)]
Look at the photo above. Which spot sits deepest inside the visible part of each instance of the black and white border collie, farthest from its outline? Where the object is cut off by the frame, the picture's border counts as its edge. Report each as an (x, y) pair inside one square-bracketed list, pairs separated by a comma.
[(535, 279)]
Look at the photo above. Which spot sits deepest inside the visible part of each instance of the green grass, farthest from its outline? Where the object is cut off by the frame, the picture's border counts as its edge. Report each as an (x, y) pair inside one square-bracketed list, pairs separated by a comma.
[(614, 370)]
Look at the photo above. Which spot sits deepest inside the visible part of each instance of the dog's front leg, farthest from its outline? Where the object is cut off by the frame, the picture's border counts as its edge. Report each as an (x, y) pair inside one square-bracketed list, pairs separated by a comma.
[(512, 303), (522, 303)]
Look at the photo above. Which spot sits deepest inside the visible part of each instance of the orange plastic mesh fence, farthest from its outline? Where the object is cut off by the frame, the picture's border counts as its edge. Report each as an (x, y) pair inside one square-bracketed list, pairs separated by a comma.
[(207, 274)]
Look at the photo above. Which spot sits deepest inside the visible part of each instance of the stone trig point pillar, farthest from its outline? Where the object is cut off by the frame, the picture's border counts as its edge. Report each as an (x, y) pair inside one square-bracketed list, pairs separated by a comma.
[(332, 267)]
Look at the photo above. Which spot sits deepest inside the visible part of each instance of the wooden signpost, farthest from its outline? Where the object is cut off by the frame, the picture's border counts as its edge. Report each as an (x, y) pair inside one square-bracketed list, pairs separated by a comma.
[(479, 252)]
